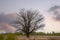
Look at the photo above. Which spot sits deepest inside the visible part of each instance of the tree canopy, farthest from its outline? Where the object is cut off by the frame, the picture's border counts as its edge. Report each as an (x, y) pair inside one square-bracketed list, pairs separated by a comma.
[(29, 21)]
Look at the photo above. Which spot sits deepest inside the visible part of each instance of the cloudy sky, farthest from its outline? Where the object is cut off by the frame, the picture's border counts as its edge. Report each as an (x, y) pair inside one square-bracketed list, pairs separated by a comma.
[(49, 8)]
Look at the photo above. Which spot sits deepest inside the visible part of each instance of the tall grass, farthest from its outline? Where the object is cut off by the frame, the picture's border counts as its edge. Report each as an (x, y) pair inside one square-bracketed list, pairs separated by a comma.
[(11, 37), (8, 36), (1, 36)]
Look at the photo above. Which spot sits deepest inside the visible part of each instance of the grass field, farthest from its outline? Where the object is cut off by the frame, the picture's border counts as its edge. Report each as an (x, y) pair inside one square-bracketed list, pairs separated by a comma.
[(32, 37)]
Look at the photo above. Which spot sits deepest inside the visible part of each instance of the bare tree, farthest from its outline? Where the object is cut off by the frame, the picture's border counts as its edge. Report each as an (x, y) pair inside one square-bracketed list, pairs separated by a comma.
[(29, 21)]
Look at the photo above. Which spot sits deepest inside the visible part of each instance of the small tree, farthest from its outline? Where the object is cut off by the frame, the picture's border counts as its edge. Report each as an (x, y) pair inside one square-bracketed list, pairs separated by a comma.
[(29, 21)]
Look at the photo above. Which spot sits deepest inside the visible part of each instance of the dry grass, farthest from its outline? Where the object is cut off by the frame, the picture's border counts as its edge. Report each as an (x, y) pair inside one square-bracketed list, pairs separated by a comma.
[(40, 37)]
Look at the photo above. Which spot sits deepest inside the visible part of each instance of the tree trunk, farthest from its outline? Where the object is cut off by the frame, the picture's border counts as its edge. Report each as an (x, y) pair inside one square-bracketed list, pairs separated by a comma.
[(28, 37)]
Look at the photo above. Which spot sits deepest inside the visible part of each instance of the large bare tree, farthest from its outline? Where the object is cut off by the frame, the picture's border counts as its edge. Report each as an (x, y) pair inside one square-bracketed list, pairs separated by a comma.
[(29, 21)]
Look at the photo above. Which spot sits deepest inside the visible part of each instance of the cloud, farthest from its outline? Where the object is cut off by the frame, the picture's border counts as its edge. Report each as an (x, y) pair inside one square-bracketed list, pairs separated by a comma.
[(7, 17), (5, 20), (54, 8), (7, 28), (55, 11), (51, 25)]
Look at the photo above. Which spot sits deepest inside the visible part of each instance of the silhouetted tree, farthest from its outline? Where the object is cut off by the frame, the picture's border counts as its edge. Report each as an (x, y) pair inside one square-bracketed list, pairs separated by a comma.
[(29, 21)]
